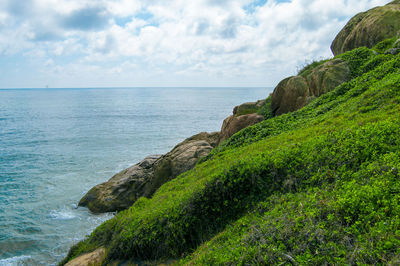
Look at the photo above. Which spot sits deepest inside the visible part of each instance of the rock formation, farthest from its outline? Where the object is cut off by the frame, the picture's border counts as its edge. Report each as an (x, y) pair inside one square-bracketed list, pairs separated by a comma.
[(93, 258), (233, 124), (293, 93), (144, 178), (244, 115), (369, 28), (248, 108)]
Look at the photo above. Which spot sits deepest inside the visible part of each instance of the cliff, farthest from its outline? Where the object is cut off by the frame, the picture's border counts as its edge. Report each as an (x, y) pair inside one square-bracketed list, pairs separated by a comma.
[(320, 185)]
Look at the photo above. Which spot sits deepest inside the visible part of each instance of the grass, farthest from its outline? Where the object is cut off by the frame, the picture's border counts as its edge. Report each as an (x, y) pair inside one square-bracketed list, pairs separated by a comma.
[(313, 186), (309, 67)]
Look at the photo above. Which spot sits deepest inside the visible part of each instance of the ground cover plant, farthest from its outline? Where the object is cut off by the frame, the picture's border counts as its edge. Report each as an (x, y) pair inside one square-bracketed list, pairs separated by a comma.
[(320, 185)]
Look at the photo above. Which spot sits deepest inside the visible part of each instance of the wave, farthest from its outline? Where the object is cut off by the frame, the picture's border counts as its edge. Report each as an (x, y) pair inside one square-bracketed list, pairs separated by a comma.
[(64, 214), (18, 260)]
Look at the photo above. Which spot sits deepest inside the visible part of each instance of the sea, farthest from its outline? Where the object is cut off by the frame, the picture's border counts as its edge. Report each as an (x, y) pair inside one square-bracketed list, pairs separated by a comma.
[(55, 144)]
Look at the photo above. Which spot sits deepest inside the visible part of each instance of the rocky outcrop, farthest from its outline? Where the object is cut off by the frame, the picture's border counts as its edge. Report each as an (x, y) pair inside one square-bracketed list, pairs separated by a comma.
[(93, 258), (290, 95), (233, 124), (369, 28), (248, 108), (123, 189), (295, 92), (144, 178)]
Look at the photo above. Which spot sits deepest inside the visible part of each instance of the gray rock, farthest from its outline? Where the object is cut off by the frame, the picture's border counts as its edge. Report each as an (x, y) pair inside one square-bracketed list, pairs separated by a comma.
[(144, 178)]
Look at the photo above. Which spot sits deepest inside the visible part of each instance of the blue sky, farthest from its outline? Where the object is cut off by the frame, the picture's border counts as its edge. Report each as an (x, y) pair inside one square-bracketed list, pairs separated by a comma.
[(118, 43)]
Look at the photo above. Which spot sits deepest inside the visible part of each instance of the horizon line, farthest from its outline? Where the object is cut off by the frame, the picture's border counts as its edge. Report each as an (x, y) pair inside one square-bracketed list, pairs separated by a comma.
[(132, 87)]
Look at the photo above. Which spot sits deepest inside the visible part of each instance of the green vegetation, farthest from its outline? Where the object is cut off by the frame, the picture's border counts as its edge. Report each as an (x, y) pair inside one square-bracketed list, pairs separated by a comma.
[(266, 109), (320, 185), (307, 69), (247, 110), (384, 45), (261, 107)]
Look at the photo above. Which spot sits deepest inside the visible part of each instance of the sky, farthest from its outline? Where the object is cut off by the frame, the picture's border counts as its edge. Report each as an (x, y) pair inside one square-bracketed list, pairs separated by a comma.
[(165, 43)]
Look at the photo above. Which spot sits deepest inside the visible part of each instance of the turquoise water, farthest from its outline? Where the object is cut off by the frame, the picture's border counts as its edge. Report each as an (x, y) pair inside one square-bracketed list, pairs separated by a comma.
[(55, 144)]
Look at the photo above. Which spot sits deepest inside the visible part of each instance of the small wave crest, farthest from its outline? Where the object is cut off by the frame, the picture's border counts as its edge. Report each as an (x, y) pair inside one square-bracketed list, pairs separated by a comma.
[(18, 260), (64, 214)]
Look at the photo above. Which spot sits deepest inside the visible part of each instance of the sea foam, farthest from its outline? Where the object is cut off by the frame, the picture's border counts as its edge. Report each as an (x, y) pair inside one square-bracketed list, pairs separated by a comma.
[(18, 260)]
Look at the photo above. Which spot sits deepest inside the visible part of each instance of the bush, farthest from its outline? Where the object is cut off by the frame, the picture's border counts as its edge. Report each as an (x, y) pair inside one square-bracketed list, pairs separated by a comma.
[(315, 186)]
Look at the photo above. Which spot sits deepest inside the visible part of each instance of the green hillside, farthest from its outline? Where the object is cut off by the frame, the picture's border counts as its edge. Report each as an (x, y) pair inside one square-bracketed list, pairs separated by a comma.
[(320, 185)]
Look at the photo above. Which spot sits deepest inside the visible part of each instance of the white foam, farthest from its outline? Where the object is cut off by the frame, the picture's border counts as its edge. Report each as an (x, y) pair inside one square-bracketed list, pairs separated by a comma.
[(62, 214), (18, 260)]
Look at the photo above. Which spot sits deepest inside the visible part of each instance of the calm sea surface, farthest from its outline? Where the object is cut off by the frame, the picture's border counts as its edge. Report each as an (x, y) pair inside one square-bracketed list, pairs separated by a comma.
[(55, 144)]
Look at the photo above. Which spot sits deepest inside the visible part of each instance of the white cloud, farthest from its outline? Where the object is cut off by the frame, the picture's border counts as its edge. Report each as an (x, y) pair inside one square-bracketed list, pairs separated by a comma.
[(170, 42), (123, 8)]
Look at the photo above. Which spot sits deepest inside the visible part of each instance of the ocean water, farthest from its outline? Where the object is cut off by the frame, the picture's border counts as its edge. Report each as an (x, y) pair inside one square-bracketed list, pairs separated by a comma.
[(55, 144)]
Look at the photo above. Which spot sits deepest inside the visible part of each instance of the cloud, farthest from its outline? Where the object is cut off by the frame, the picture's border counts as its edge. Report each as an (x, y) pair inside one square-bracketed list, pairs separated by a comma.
[(44, 34), (229, 28), (88, 18), (242, 42), (19, 8)]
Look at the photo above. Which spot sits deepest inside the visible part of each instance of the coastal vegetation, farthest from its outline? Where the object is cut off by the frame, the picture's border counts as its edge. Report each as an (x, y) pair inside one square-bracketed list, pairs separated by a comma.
[(320, 185)]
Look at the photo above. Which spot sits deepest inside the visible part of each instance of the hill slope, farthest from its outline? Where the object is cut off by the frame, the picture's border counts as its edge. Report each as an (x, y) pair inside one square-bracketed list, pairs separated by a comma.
[(317, 185)]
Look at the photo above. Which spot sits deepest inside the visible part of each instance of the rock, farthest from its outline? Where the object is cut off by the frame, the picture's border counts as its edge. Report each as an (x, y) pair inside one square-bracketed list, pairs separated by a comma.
[(289, 95), (295, 92), (233, 124), (248, 108), (185, 155), (369, 28), (244, 115), (328, 76), (123, 189), (144, 178), (93, 258)]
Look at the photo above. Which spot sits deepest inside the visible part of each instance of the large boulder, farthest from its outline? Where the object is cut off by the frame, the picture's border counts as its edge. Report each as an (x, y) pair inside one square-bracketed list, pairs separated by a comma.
[(290, 95), (295, 92), (328, 76), (144, 178), (233, 124), (123, 189), (369, 28), (244, 115)]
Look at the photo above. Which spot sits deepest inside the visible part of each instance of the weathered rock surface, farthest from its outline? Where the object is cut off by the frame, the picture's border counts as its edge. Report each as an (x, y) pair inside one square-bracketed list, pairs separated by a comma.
[(290, 95), (244, 115), (93, 258), (328, 76), (248, 108), (233, 124), (144, 178), (295, 92), (369, 28)]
